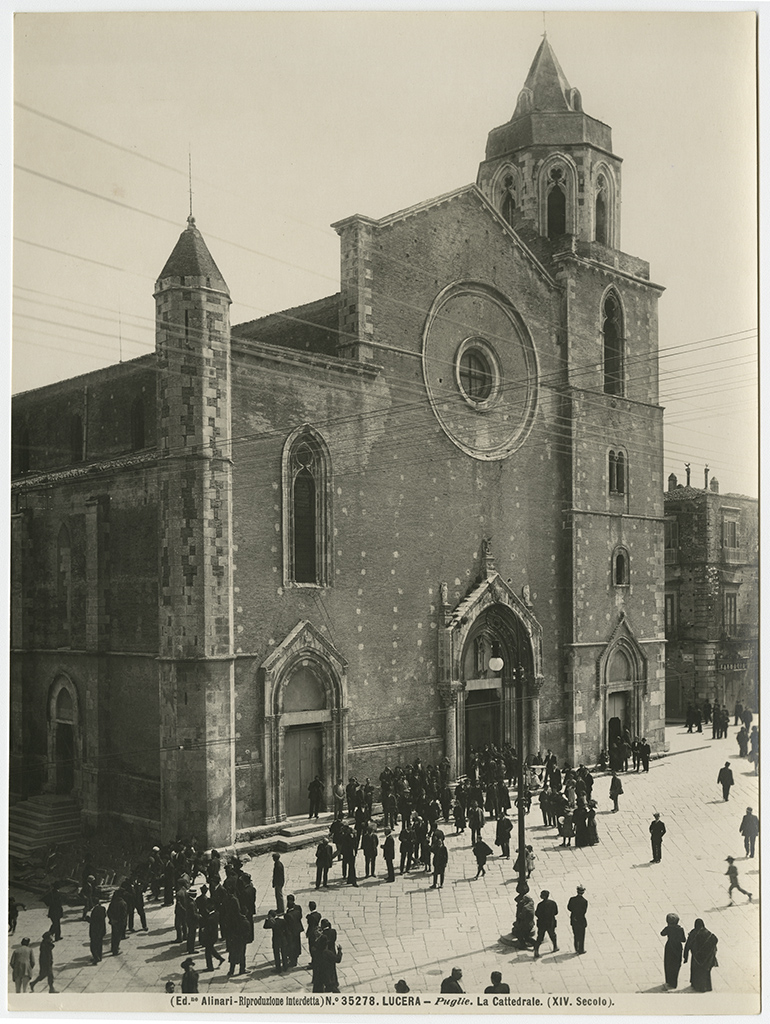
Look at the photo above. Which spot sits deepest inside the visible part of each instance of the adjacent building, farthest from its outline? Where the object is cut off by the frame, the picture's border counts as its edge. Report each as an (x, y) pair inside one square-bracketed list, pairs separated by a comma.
[(294, 545), (712, 596)]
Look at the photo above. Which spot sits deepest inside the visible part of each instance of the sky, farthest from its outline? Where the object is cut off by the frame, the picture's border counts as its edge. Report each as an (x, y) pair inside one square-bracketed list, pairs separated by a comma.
[(292, 121)]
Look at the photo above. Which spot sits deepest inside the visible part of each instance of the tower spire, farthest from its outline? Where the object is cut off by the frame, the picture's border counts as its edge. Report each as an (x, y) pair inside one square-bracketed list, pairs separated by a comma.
[(190, 219)]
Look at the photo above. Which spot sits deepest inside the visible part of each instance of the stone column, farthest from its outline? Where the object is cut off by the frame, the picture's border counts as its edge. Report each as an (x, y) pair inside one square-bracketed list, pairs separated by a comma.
[(535, 685), (508, 709), (270, 755), (449, 706)]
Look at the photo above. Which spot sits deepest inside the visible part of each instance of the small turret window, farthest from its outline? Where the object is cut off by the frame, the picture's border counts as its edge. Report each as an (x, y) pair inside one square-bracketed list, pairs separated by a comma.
[(509, 199), (601, 210), (557, 204)]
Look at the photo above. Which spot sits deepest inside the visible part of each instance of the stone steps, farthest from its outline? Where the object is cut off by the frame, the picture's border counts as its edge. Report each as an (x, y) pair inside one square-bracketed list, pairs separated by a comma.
[(36, 823)]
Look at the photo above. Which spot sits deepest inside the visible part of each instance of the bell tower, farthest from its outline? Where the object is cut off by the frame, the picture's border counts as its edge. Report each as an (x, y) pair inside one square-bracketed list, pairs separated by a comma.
[(196, 680), (551, 168)]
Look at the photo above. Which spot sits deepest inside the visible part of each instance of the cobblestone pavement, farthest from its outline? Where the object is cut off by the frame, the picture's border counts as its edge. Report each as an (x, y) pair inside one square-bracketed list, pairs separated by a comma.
[(406, 930)]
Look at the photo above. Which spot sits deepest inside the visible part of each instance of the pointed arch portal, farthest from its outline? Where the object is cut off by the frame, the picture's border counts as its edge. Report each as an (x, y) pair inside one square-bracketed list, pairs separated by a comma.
[(305, 720), (482, 705)]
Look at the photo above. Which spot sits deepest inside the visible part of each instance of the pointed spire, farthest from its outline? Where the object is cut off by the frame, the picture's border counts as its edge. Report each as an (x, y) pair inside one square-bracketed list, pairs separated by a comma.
[(546, 87), (191, 258)]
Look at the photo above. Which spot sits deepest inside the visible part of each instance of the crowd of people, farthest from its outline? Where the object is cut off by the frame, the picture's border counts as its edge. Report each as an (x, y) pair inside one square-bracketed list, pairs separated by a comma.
[(419, 806)]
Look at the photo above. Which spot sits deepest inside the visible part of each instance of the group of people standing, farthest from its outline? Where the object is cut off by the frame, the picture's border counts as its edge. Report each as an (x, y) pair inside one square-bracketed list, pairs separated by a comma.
[(700, 946)]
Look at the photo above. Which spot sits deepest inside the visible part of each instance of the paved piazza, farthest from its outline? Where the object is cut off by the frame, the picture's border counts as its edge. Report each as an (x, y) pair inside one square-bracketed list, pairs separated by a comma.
[(406, 930)]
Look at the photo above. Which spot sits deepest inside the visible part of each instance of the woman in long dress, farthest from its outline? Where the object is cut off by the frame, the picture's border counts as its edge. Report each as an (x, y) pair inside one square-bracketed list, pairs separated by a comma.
[(672, 954), (593, 831), (702, 944), (580, 818)]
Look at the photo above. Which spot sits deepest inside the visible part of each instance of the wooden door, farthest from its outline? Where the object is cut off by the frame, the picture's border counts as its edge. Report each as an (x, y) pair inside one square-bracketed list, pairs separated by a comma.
[(303, 759)]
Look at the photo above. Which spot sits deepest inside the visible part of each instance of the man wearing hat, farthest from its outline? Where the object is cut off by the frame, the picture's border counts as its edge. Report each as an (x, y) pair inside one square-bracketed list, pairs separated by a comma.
[(546, 921), (87, 891), (190, 977), (578, 907), (657, 831), (725, 780)]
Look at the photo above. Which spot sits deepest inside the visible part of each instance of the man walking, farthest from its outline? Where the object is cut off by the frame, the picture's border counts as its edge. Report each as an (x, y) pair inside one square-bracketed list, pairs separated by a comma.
[(546, 921), (657, 831), (749, 829), (578, 907), (725, 780), (279, 879), (46, 963)]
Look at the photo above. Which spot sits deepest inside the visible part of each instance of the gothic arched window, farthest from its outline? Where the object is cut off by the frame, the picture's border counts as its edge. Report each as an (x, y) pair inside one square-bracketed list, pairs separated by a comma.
[(617, 472), (307, 512), (620, 568), (557, 204), (509, 199), (612, 333), (601, 210)]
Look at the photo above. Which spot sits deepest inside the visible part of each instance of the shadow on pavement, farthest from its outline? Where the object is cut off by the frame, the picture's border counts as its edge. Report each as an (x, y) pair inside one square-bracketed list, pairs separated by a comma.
[(646, 864)]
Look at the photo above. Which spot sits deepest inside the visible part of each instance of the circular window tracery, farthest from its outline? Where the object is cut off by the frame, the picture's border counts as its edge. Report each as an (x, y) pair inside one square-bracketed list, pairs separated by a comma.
[(477, 371)]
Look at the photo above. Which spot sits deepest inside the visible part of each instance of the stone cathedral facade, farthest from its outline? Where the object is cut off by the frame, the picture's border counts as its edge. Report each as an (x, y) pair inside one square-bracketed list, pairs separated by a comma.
[(293, 545)]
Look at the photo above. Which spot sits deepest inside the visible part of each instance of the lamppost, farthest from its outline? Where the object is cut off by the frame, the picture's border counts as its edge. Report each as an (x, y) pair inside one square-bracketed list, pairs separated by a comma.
[(496, 663)]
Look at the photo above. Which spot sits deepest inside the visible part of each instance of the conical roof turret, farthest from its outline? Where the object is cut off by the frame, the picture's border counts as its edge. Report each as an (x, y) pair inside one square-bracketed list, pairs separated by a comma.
[(547, 82), (191, 258)]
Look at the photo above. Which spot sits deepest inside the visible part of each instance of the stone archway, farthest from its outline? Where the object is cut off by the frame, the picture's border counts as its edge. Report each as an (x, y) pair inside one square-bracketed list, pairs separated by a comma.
[(63, 737), (491, 614), (305, 707), (623, 683)]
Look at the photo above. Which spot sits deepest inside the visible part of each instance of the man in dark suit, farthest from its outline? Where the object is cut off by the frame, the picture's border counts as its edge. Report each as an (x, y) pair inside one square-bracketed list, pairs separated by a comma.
[(349, 848), (315, 792), (578, 907), (452, 983), (389, 853), (725, 780), (749, 829), (279, 878), (657, 831), (498, 985), (644, 753), (294, 929), (97, 929), (440, 861), (370, 844), (324, 857), (117, 915), (546, 921), (406, 839)]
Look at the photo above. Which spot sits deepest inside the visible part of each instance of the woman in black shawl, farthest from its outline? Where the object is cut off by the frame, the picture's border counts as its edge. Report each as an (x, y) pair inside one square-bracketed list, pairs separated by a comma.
[(672, 954), (703, 945)]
